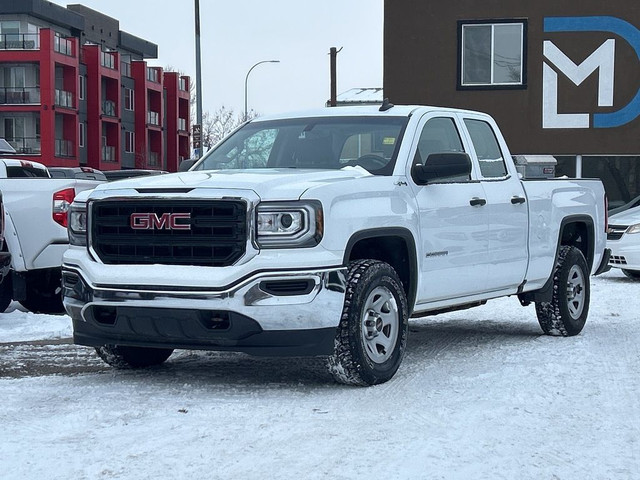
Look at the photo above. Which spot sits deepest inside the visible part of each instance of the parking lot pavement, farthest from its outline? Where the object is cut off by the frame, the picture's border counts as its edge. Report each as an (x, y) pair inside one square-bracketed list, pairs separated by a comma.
[(47, 357)]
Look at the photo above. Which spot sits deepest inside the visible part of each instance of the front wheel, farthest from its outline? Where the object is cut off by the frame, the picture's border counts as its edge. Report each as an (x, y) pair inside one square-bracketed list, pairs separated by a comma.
[(372, 334), (567, 312), (632, 274), (119, 356)]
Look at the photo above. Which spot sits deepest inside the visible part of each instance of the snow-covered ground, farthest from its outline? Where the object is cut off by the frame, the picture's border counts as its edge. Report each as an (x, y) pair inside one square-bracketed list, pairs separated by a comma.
[(482, 394)]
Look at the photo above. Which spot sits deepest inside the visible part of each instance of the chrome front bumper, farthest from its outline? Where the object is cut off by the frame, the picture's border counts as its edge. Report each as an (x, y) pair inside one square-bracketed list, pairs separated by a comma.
[(263, 312)]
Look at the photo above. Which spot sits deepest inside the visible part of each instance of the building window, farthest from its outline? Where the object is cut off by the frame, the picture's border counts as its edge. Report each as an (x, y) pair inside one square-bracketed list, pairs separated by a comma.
[(82, 87), (81, 134), (129, 138), (128, 99), (492, 54)]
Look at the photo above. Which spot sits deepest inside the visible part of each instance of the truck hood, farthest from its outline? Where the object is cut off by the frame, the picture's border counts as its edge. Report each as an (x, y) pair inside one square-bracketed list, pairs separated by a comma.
[(268, 184), (627, 217)]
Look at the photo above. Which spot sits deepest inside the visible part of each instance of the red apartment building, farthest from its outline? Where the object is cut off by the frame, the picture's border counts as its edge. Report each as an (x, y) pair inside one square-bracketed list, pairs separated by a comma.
[(75, 90)]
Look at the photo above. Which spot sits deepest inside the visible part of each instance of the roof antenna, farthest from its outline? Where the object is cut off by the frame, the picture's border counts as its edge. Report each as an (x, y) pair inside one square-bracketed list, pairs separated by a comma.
[(386, 105)]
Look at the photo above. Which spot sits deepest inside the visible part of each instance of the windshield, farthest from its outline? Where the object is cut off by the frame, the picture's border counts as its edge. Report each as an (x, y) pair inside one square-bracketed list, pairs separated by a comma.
[(311, 143)]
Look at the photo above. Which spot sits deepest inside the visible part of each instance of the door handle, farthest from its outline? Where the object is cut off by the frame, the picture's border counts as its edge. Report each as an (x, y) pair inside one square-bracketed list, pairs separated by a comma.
[(518, 200), (477, 201)]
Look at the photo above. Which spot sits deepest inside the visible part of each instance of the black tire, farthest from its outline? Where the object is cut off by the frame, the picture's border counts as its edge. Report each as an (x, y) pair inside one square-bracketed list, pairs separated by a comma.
[(372, 335), (567, 312), (122, 357), (44, 292), (6, 292), (632, 274)]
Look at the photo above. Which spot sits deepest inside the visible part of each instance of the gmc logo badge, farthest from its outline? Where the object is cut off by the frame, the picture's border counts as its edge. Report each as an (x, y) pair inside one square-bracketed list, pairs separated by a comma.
[(167, 221)]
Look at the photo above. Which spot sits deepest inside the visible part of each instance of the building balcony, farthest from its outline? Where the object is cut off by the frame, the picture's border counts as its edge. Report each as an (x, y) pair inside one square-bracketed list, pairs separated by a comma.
[(64, 148), (63, 46), (64, 99), (182, 124), (153, 159), (153, 75), (125, 69), (25, 145), (153, 118), (19, 95), (108, 153), (20, 41), (109, 108), (108, 60)]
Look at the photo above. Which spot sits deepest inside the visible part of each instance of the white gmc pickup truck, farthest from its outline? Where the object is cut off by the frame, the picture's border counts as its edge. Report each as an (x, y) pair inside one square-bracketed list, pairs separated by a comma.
[(35, 217), (321, 234)]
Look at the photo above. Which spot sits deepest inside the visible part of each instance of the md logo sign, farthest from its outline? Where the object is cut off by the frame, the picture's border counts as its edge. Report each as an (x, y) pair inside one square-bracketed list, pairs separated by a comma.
[(602, 60)]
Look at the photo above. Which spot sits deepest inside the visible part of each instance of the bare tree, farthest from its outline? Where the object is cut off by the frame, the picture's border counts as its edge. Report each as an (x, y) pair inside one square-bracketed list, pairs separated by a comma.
[(219, 124)]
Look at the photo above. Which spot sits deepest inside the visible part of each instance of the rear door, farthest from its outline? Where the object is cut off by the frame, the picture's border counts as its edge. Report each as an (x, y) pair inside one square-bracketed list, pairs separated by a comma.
[(506, 207)]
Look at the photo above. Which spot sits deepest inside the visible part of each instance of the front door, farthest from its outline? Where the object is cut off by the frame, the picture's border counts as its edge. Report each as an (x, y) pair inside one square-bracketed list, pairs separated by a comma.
[(453, 220)]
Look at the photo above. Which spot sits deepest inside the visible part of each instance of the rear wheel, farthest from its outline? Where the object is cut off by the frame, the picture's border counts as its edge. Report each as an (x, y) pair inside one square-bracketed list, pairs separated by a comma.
[(372, 334), (119, 356), (44, 292), (567, 312), (633, 274)]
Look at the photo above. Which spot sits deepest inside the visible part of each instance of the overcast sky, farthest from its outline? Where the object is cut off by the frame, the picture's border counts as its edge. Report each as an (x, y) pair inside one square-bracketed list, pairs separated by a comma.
[(237, 34)]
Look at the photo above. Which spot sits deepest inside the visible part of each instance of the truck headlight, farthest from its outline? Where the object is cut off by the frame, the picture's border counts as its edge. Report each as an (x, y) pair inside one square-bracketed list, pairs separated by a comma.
[(289, 224), (78, 224), (634, 228)]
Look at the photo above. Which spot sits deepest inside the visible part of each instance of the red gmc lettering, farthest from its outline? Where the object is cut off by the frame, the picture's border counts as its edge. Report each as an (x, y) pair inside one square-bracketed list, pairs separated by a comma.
[(167, 221)]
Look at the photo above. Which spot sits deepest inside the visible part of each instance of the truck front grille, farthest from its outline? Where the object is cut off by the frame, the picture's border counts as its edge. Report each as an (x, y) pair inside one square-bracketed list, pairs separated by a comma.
[(209, 233)]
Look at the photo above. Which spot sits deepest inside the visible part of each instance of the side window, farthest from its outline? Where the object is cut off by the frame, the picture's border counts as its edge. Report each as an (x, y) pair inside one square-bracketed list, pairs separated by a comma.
[(487, 149), (439, 135)]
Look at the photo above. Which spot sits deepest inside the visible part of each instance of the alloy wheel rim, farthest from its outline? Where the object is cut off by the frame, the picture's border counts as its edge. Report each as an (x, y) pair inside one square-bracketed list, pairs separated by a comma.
[(575, 292), (380, 324)]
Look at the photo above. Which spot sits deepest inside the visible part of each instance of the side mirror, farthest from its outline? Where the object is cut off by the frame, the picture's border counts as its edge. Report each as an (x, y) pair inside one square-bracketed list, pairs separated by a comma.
[(441, 166), (186, 164)]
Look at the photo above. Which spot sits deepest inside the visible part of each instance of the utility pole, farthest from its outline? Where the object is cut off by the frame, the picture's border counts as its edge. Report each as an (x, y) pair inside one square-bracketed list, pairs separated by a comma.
[(198, 80), (333, 54)]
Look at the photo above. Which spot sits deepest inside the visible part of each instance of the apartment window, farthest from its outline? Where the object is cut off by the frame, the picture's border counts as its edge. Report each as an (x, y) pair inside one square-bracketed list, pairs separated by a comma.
[(128, 99), (129, 138), (82, 87), (81, 134), (492, 54)]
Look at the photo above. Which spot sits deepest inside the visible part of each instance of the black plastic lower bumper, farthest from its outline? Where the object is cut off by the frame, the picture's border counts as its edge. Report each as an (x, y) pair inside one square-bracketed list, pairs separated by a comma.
[(194, 329)]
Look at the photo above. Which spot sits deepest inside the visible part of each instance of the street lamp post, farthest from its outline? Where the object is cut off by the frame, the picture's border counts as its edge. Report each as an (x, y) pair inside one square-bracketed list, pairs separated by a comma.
[(246, 79)]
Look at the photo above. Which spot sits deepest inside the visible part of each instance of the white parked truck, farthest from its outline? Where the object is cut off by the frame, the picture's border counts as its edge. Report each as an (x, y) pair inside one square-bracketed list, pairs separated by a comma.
[(322, 233), (35, 216)]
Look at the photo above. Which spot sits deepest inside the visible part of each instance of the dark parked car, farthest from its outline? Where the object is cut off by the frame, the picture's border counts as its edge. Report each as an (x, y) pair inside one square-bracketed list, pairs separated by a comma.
[(121, 174), (84, 173)]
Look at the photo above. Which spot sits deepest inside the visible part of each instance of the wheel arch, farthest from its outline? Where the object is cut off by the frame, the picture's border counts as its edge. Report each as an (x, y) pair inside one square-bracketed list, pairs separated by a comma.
[(395, 246), (576, 231)]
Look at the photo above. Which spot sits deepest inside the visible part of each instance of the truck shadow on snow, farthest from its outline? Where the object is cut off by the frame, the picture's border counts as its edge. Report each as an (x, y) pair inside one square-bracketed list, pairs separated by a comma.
[(428, 339), (455, 339)]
